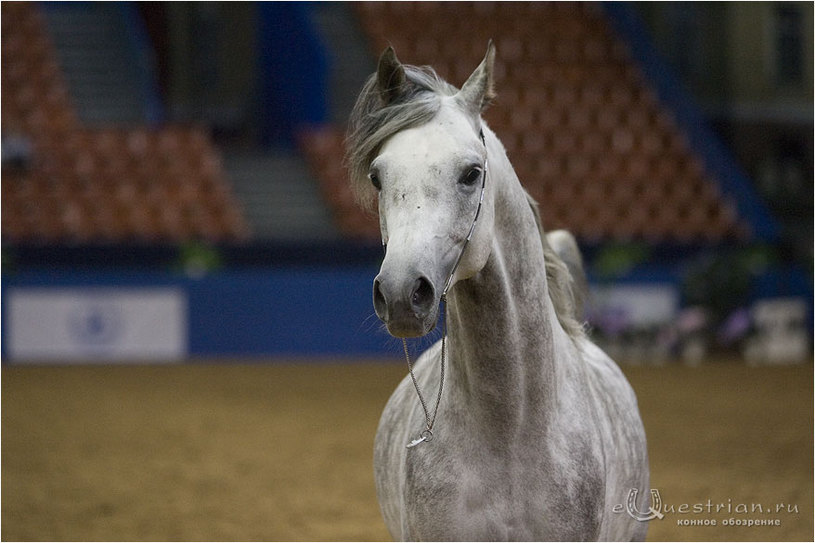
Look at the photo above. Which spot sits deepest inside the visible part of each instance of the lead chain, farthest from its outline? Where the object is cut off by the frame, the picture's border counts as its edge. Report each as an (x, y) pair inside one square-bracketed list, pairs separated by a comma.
[(427, 434)]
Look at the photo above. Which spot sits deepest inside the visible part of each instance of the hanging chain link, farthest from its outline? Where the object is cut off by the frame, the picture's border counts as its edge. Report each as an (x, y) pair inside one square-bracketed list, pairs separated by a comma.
[(427, 434)]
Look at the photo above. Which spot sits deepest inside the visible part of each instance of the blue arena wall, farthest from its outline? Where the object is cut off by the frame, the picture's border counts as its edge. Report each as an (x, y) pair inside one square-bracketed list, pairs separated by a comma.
[(147, 303), (309, 312), (287, 312)]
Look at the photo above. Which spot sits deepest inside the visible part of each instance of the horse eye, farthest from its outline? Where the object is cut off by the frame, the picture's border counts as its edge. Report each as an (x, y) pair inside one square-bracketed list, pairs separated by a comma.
[(471, 177), (375, 180)]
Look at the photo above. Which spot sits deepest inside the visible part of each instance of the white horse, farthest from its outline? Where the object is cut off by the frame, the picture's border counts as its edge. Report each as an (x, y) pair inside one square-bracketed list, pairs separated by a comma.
[(538, 435)]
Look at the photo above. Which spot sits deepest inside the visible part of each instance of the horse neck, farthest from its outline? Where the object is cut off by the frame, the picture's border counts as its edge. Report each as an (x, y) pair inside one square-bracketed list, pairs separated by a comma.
[(503, 331)]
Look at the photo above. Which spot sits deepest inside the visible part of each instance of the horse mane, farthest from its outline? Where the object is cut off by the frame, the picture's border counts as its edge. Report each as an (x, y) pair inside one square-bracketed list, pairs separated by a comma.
[(372, 121), (565, 279)]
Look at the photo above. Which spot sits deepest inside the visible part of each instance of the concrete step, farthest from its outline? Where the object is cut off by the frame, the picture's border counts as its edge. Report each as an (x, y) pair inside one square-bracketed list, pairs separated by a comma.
[(97, 62), (340, 29), (278, 195)]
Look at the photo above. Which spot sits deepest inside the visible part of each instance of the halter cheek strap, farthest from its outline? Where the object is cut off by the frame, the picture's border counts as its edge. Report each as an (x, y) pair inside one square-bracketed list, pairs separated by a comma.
[(427, 434), (449, 281)]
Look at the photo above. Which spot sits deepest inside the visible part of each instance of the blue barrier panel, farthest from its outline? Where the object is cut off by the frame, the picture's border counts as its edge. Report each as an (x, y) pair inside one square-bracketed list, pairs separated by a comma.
[(263, 312), (311, 312), (317, 311)]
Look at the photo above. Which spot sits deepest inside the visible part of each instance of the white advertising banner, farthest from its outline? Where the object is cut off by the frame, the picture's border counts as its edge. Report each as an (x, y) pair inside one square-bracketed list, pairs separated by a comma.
[(639, 305), (102, 324)]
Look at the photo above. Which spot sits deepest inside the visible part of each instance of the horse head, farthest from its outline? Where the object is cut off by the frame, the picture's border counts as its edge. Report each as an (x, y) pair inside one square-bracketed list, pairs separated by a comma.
[(429, 179)]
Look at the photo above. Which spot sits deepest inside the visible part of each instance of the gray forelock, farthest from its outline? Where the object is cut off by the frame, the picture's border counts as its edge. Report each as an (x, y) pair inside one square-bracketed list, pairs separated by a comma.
[(372, 122)]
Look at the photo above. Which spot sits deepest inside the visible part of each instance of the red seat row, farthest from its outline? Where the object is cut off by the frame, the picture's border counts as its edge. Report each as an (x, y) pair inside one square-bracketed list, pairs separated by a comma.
[(99, 185), (583, 128), (324, 147)]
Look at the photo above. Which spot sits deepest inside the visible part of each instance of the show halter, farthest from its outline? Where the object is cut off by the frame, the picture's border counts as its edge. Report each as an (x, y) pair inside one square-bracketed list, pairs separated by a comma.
[(427, 434)]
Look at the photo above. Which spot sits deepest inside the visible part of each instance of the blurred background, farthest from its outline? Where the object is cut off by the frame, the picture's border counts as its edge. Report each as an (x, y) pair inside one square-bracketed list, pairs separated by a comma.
[(173, 190), (173, 181)]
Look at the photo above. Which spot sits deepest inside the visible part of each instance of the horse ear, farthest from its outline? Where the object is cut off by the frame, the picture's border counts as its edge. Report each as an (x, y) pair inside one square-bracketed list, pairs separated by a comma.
[(390, 76), (479, 91)]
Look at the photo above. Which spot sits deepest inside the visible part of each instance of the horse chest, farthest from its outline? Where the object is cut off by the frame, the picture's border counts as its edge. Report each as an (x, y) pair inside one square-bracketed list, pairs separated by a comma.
[(492, 498), (462, 499)]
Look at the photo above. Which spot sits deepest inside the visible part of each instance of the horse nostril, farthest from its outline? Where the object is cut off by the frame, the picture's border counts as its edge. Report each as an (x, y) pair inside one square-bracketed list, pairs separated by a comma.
[(423, 294), (380, 304)]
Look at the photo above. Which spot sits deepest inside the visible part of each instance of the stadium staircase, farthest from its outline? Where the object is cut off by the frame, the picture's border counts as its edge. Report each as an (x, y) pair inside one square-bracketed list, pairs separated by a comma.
[(351, 59), (278, 195), (77, 184), (109, 77), (589, 133), (79, 88)]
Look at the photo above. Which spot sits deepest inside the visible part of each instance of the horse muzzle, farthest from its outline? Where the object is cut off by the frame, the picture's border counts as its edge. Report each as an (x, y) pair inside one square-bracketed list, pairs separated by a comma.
[(408, 305)]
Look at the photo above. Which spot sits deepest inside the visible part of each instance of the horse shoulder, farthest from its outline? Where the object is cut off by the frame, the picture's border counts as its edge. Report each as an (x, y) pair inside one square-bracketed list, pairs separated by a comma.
[(612, 388), (623, 438)]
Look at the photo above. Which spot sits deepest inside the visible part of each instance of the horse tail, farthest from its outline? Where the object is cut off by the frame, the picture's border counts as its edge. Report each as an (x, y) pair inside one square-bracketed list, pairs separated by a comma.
[(565, 246)]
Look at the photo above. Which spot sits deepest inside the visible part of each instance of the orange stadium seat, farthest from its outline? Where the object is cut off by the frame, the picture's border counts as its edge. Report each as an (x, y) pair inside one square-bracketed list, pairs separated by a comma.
[(578, 119), (109, 184)]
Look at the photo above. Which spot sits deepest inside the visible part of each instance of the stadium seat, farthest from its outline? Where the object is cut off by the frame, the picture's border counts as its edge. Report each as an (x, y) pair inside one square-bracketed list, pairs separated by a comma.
[(577, 117), (108, 184)]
